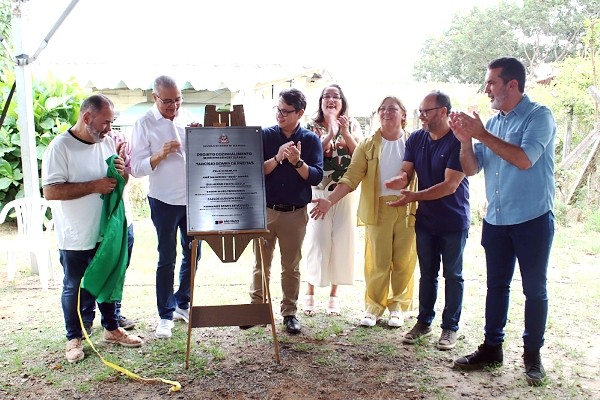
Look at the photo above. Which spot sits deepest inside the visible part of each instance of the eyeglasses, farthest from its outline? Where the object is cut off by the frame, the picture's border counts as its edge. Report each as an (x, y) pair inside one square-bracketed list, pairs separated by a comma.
[(331, 97), (388, 109), (284, 113), (169, 102), (424, 112)]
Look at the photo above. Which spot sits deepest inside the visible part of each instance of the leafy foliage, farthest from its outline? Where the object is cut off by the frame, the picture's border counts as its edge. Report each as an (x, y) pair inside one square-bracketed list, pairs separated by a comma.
[(463, 51), (5, 32), (55, 107), (537, 32), (552, 30), (567, 95)]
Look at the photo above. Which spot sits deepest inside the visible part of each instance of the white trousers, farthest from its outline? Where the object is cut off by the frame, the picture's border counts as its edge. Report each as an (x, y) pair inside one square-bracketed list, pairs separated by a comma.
[(330, 243)]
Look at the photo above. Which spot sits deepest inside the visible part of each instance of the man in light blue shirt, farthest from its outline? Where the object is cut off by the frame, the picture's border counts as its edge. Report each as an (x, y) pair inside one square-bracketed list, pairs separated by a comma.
[(516, 151)]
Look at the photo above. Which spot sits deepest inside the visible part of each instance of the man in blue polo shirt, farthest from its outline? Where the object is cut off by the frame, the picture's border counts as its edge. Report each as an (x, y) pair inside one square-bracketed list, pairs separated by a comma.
[(293, 163), (516, 151), (442, 220)]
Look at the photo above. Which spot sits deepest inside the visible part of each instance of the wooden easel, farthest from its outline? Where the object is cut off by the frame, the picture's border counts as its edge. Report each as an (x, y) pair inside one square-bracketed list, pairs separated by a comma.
[(229, 246), (212, 117)]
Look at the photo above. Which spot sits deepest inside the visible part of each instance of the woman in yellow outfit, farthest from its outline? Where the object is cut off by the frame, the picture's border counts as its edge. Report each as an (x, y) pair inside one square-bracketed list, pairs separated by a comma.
[(390, 254)]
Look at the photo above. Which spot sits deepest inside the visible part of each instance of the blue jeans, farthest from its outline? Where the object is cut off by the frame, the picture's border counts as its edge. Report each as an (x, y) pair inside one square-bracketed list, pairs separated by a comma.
[(74, 263), (448, 248), (530, 243), (167, 220), (88, 307)]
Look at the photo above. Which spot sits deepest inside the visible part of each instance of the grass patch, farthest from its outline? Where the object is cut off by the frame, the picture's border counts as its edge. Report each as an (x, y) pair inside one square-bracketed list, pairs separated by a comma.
[(334, 328), (303, 347), (387, 349), (331, 350), (214, 350), (326, 358), (422, 348)]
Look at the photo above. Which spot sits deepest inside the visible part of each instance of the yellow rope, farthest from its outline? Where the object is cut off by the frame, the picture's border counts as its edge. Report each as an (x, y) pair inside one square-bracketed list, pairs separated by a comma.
[(175, 386)]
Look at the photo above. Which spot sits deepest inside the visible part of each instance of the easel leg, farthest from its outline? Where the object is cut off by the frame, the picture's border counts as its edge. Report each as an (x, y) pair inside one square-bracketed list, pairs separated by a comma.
[(192, 277), (267, 298)]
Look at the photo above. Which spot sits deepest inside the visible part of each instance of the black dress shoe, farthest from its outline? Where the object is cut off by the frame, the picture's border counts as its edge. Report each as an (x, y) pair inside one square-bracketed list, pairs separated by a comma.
[(292, 325)]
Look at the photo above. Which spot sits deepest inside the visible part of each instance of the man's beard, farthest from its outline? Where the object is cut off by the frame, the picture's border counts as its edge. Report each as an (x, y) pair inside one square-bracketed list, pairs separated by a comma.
[(499, 99), (95, 134)]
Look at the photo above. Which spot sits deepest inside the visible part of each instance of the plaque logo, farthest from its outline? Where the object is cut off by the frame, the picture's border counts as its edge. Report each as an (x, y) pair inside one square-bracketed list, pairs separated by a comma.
[(223, 139)]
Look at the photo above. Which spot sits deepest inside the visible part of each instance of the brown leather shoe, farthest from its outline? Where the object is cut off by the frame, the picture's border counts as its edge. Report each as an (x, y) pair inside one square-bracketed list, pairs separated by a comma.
[(120, 336), (74, 351)]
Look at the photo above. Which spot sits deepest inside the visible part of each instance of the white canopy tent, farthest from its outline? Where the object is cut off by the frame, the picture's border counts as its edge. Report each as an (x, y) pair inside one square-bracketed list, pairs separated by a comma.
[(25, 94)]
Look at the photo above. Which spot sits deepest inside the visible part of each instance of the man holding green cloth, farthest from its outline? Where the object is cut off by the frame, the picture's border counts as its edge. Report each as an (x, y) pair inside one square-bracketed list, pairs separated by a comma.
[(76, 170)]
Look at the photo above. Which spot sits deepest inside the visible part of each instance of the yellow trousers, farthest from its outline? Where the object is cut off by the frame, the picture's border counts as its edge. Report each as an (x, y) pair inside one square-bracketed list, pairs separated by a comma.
[(390, 259)]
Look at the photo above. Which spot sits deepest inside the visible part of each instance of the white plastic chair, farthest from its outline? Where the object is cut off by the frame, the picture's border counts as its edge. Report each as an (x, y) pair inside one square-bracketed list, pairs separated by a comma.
[(32, 235)]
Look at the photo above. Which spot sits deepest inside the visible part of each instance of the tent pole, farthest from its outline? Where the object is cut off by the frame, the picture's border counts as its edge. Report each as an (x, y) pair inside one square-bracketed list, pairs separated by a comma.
[(25, 96)]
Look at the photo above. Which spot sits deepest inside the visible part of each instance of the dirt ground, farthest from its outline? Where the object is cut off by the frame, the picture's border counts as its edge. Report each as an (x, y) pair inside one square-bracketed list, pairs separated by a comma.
[(332, 358)]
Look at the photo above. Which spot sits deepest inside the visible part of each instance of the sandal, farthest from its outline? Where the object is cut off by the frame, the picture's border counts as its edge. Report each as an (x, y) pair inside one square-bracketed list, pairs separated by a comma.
[(333, 307), (308, 304)]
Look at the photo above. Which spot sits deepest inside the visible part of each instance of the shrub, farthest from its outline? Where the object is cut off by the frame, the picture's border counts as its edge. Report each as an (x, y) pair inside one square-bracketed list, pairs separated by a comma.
[(55, 108), (593, 221)]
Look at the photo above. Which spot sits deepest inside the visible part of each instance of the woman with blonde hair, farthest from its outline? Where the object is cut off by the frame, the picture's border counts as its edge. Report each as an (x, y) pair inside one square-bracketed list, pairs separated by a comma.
[(390, 251)]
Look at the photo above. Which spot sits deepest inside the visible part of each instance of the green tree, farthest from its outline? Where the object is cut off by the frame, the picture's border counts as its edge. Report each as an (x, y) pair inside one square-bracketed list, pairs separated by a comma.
[(538, 32), (551, 30), (567, 96), (462, 52)]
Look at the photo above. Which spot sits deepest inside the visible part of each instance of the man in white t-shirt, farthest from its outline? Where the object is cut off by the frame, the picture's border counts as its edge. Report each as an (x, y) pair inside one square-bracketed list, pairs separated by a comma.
[(88, 309), (74, 178), (158, 151)]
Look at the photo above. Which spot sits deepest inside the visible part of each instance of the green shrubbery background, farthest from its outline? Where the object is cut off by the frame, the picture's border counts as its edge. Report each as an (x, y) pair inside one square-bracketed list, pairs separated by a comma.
[(55, 107)]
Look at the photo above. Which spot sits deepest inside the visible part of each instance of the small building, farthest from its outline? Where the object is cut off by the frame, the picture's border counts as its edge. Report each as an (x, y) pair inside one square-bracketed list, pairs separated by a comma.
[(256, 87)]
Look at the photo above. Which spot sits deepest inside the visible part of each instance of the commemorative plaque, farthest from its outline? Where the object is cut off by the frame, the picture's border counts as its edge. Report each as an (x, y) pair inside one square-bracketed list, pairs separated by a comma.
[(225, 179)]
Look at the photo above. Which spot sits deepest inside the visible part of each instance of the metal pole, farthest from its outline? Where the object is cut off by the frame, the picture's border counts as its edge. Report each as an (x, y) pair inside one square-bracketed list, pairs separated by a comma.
[(57, 24), (25, 122), (25, 107), (25, 95)]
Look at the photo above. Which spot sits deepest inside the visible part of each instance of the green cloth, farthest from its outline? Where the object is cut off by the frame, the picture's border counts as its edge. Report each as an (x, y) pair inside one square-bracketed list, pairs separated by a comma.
[(105, 276)]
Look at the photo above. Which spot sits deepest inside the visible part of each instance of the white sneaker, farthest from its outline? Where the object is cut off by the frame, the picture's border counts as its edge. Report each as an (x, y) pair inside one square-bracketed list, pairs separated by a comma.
[(369, 320), (180, 313), (396, 319), (163, 329)]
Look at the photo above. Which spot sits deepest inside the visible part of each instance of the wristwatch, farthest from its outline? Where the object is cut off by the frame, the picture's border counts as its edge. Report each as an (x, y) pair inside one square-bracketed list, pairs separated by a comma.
[(299, 164)]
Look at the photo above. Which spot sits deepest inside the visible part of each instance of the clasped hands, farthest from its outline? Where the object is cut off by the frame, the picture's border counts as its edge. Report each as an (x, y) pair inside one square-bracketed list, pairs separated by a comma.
[(289, 151), (106, 185), (465, 127), (337, 124)]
